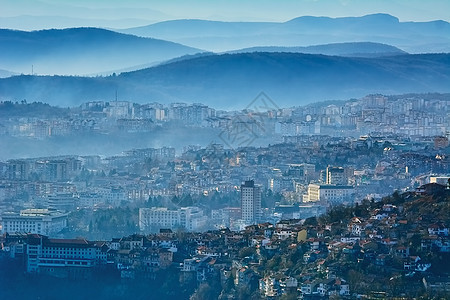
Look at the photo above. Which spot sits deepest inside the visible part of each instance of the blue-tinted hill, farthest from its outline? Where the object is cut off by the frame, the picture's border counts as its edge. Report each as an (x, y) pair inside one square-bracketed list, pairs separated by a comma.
[(359, 49), (413, 37), (78, 51), (233, 80)]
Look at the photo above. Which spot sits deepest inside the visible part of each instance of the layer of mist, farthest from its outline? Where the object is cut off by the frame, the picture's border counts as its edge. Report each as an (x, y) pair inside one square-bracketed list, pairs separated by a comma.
[(413, 37), (232, 81)]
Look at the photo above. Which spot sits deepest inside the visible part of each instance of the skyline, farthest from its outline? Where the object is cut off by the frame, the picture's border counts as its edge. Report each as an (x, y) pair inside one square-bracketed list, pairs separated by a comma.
[(43, 14), (225, 149)]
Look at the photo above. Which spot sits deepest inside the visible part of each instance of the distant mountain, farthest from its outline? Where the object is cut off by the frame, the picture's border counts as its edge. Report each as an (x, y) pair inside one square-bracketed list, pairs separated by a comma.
[(38, 15), (185, 57), (234, 80), (362, 49), (28, 22), (78, 51), (413, 37)]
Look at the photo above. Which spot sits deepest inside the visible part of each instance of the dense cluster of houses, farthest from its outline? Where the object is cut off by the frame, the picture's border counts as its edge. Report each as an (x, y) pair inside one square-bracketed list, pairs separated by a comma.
[(243, 256)]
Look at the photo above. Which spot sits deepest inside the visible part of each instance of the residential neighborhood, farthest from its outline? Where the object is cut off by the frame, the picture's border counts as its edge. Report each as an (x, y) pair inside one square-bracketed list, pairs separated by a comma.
[(400, 245), (224, 150), (313, 215)]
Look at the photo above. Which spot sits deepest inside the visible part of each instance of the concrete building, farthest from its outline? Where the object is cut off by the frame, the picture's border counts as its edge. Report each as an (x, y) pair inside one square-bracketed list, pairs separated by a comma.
[(164, 153), (89, 200), (192, 218), (119, 109), (18, 170), (301, 171), (57, 170), (250, 202), (63, 258), (442, 180), (193, 114), (330, 194), (40, 221), (61, 201), (113, 196), (336, 175), (155, 218)]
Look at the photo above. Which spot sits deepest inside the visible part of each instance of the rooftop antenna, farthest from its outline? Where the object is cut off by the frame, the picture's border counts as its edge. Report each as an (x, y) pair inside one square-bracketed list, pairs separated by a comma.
[(116, 95), (32, 70)]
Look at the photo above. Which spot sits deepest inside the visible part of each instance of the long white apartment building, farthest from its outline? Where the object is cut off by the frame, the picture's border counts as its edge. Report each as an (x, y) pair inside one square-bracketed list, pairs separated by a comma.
[(40, 221), (64, 257), (328, 193), (189, 218)]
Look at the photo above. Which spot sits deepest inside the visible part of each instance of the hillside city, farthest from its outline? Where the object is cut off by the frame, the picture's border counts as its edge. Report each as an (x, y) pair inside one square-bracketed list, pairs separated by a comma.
[(316, 201)]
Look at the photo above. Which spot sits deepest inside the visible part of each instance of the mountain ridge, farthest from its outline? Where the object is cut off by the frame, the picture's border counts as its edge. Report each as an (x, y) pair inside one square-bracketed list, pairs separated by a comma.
[(355, 49), (233, 80), (217, 36), (84, 50)]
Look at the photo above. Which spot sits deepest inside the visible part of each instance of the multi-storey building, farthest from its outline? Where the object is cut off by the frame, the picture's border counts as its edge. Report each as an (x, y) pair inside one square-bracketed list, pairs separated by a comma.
[(61, 201), (157, 217), (57, 170), (193, 114), (63, 257), (18, 170), (40, 221), (336, 175), (329, 194), (164, 153), (250, 202), (190, 218)]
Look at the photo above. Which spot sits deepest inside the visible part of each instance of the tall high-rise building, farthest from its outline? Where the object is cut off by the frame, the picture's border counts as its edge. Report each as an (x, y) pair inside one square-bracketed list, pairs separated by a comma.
[(18, 170), (250, 202)]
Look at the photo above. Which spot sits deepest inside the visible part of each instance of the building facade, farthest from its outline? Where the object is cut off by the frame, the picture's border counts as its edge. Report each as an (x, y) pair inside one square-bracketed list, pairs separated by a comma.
[(40, 221), (251, 202), (73, 258), (329, 194), (336, 175), (155, 218)]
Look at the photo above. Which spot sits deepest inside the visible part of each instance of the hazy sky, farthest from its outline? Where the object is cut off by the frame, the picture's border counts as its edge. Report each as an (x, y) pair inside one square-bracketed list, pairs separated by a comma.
[(147, 11)]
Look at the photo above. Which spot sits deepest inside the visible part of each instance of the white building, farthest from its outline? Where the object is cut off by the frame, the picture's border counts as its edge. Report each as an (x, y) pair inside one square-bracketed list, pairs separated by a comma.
[(89, 200), (442, 180), (159, 217), (190, 218), (63, 257), (40, 221), (250, 202), (194, 114), (331, 194), (61, 201), (119, 109), (113, 196)]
